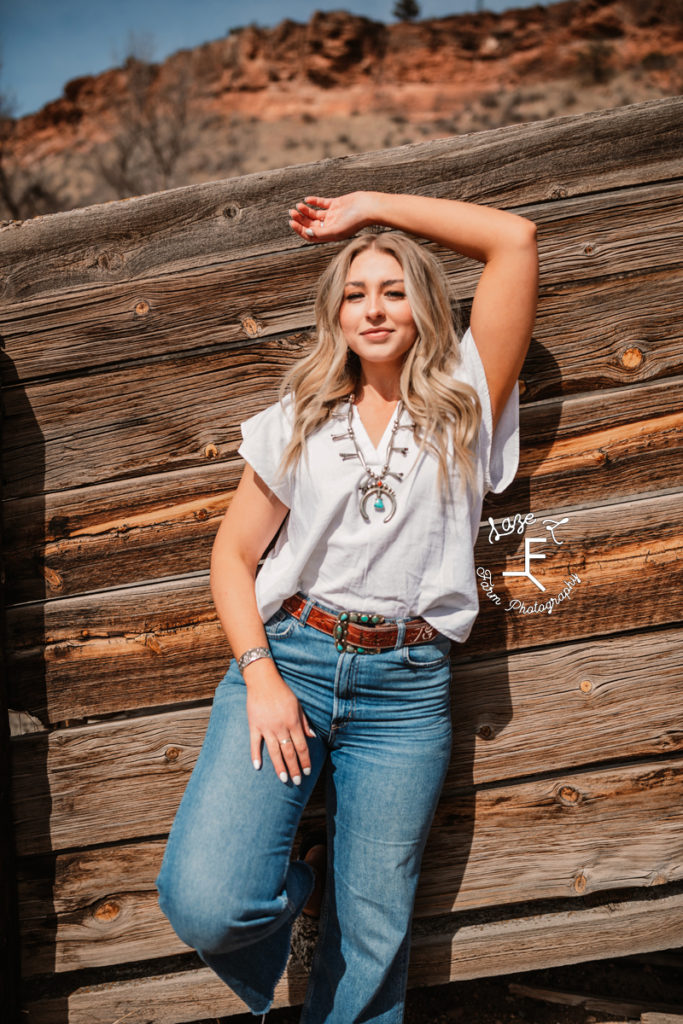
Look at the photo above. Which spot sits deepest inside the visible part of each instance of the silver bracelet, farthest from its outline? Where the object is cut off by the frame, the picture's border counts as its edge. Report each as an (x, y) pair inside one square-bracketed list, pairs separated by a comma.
[(251, 655)]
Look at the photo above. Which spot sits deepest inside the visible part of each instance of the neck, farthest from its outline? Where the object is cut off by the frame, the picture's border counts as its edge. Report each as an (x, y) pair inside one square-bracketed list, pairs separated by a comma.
[(379, 383)]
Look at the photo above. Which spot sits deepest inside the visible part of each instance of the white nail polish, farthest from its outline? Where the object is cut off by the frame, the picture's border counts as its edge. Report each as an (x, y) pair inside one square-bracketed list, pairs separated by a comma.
[(309, 231), (256, 763), (296, 779), (283, 776), (307, 771)]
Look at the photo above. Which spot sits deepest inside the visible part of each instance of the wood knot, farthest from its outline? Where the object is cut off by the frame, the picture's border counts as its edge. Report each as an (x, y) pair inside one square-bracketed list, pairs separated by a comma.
[(142, 308), (632, 358), (110, 261), (201, 514), (211, 451), (559, 192), (108, 910), (52, 578), (589, 249), (152, 643), (486, 732), (522, 387), (586, 685), (580, 883), (252, 327), (231, 210), (568, 795), (172, 754)]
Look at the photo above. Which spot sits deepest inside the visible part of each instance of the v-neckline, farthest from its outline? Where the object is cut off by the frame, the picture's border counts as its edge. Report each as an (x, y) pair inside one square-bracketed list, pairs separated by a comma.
[(381, 447)]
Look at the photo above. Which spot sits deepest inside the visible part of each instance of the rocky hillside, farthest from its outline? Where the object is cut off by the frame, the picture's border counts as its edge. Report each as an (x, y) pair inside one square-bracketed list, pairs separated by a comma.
[(262, 98)]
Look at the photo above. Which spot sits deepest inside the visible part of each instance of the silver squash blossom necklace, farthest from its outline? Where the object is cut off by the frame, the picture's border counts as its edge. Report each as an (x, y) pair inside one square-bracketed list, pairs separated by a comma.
[(374, 483)]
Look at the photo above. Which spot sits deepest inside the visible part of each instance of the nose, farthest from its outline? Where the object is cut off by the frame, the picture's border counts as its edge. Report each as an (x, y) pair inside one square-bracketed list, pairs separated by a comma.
[(375, 308)]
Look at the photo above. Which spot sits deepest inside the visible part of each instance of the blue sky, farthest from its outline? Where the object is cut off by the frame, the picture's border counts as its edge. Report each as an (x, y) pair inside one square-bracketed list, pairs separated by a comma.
[(44, 43)]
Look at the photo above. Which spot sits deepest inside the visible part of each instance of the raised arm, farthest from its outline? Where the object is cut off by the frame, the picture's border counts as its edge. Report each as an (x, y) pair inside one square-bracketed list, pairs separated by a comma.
[(504, 306)]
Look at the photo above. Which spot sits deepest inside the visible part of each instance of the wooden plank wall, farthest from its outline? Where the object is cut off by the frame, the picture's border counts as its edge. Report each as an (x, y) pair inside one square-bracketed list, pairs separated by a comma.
[(137, 336)]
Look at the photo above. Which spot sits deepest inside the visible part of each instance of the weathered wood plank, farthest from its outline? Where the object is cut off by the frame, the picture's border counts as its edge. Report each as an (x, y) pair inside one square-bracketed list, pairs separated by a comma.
[(449, 949), (587, 832), (576, 704), (630, 1008), (67, 783), (138, 420), (148, 645), (175, 414), (143, 529), (576, 451), (178, 231), (614, 341), (583, 237)]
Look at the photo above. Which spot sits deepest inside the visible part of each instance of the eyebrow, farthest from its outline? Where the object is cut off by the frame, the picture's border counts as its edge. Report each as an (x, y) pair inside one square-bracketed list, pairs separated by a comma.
[(383, 284)]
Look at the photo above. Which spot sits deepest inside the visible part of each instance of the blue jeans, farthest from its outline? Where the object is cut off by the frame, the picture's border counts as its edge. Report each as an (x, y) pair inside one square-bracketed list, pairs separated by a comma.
[(227, 884)]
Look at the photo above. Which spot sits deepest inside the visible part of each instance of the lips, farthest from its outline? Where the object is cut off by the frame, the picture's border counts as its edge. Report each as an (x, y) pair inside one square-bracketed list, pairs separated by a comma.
[(378, 332)]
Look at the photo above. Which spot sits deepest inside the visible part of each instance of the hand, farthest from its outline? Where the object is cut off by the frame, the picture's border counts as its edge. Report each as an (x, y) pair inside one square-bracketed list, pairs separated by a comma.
[(329, 220), (274, 714)]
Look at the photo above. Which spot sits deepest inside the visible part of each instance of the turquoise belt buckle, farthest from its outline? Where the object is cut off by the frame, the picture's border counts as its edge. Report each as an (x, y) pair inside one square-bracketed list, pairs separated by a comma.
[(344, 619)]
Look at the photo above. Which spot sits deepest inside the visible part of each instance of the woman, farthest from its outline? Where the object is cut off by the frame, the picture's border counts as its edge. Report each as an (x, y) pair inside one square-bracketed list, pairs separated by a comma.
[(383, 443)]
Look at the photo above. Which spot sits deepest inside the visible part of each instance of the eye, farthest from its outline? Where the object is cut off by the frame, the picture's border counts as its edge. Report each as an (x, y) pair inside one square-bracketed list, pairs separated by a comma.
[(396, 295), (353, 295)]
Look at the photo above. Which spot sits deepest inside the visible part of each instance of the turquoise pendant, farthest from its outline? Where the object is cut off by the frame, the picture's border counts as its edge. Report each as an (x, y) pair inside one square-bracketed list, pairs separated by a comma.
[(379, 505)]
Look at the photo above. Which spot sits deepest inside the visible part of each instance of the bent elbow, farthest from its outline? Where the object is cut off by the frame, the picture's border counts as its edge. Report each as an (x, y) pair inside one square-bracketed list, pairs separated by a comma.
[(528, 233)]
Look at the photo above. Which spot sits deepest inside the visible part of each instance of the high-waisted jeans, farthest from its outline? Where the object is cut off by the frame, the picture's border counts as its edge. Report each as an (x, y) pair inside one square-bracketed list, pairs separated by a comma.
[(227, 884)]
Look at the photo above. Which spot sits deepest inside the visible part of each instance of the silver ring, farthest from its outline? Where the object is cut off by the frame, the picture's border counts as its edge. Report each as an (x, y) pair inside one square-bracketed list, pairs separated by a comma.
[(282, 742)]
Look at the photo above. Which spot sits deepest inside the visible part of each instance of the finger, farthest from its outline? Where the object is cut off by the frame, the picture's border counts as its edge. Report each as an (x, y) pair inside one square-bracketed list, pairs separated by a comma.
[(318, 201), (307, 725), (275, 752), (302, 231), (289, 752), (301, 748), (309, 212), (255, 740)]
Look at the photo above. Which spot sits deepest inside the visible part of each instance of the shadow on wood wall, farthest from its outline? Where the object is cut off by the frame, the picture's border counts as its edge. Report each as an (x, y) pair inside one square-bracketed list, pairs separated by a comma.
[(138, 335)]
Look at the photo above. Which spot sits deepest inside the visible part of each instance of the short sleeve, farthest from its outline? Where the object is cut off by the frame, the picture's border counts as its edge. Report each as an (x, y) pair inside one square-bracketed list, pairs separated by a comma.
[(499, 454), (265, 437)]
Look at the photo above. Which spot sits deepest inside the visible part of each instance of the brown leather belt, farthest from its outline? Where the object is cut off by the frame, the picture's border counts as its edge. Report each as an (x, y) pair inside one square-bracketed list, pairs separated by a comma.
[(359, 632)]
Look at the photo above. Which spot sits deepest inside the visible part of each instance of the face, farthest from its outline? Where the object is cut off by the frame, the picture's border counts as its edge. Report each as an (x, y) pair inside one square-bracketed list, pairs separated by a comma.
[(375, 314)]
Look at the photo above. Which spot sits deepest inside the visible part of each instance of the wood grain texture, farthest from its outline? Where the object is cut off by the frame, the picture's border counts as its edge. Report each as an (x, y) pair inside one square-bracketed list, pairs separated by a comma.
[(187, 228), (146, 419), (444, 950), (232, 301), (576, 451), (581, 832), (72, 786), (161, 642)]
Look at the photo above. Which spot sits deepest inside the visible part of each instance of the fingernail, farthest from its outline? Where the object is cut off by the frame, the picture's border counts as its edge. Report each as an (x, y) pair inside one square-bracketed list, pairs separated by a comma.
[(307, 771), (296, 779), (309, 231), (256, 763), (283, 776)]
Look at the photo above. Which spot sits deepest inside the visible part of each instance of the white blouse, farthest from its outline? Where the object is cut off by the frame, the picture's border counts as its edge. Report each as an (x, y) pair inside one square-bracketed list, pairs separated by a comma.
[(419, 563)]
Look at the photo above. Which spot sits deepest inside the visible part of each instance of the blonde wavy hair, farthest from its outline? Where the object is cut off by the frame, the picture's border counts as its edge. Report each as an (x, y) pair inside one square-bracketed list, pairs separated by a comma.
[(440, 406)]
